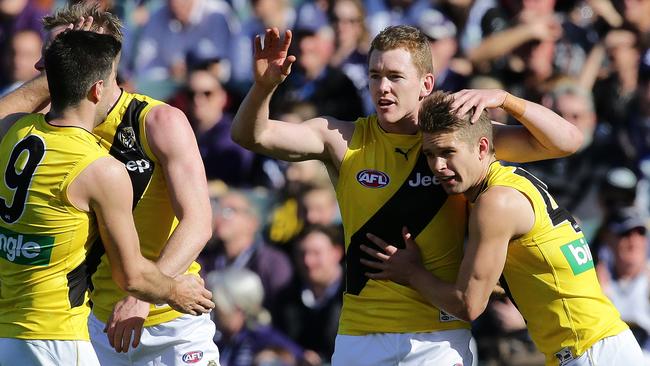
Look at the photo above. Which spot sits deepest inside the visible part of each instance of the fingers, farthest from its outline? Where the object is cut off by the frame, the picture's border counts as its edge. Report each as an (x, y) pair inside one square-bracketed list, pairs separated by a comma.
[(286, 65), (373, 264), (117, 337), (136, 337), (287, 40), (87, 24), (257, 43), (378, 241), (374, 253)]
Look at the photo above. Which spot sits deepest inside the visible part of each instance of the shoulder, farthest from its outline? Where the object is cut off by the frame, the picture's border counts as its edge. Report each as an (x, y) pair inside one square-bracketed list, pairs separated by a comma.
[(504, 208), (106, 171)]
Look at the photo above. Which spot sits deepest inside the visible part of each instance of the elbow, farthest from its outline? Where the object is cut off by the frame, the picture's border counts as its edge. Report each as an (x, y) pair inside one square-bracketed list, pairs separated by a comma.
[(571, 144), (471, 309)]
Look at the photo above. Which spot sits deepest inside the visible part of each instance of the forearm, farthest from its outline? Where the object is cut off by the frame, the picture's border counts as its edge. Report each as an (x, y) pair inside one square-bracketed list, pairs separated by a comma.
[(30, 97), (252, 116), (553, 134), (182, 248), (148, 283), (443, 295)]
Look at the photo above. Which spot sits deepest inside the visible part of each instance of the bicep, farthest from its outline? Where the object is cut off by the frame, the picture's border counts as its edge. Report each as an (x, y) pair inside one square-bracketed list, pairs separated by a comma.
[(173, 143), (318, 138)]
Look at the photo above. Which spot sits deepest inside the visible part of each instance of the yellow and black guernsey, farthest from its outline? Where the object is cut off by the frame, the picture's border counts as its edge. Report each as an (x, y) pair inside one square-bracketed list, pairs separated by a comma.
[(549, 274), (44, 239), (124, 134), (385, 184)]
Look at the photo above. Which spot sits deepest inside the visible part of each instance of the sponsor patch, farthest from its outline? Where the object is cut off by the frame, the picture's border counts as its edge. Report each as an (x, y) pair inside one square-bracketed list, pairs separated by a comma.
[(373, 178), (193, 356), (446, 317), (578, 255), (33, 250), (564, 356)]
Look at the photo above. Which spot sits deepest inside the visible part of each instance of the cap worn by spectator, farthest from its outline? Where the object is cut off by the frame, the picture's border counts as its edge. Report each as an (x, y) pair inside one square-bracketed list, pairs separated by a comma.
[(310, 21), (435, 25), (625, 220)]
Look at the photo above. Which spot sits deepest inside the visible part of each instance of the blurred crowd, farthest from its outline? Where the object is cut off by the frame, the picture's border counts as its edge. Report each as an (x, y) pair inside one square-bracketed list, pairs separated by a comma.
[(275, 259)]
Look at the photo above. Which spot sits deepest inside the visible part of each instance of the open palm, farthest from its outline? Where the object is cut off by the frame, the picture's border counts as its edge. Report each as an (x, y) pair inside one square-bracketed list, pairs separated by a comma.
[(272, 65)]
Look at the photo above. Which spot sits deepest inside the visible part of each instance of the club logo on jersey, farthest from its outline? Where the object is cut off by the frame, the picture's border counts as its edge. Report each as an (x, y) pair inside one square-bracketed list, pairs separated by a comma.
[(33, 250), (193, 356), (140, 165), (564, 356), (127, 137), (446, 317), (373, 178), (423, 180), (578, 255)]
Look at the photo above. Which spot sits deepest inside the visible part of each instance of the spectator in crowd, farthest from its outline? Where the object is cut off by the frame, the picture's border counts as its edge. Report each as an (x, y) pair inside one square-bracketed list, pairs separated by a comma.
[(626, 279), (179, 27), (243, 324), (441, 32), (352, 45), (223, 159), (25, 51), (320, 206), (571, 180), (314, 80), (384, 13), (635, 14), (313, 302), (614, 93), (17, 15), (236, 244)]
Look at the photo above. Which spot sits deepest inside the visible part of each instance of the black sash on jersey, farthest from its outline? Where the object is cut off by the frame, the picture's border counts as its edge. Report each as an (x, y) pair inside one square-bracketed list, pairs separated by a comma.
[(127, 148), (413, 207)]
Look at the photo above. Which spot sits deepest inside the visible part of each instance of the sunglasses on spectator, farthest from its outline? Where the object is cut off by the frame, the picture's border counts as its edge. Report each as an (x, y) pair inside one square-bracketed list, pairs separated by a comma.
[(204, 93)]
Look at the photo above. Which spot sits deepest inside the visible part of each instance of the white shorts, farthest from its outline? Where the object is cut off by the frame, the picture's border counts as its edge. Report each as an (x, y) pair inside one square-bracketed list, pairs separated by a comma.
[(32, 352), (444, 348), (186, 340), (619, 350)]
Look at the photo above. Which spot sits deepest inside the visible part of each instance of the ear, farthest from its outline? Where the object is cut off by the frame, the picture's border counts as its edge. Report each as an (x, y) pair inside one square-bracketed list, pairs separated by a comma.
[(427, 85), (96, 91), (484, 148)]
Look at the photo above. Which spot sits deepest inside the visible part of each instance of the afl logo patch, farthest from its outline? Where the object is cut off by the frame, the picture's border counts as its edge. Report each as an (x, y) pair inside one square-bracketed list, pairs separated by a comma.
[(193, 356), (127, 137), (373, 178)]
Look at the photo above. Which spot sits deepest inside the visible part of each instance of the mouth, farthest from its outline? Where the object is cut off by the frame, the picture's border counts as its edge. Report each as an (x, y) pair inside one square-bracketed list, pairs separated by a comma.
[(446, 179), (385, 103)]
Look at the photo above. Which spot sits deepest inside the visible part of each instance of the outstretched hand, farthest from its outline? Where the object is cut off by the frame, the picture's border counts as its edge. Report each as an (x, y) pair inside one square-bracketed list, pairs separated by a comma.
[(394, 264), (272, 63), (480, 99)]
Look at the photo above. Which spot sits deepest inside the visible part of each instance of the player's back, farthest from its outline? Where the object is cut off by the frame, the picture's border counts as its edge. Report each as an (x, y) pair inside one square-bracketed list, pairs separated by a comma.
[(550, 275), (44, 238)]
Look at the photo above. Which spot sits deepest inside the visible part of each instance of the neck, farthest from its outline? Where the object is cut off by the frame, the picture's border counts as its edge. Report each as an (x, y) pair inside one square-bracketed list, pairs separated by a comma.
[(406, 126), (80, 116), (319, 289), (628, 272), (472, 193), (237, 246)]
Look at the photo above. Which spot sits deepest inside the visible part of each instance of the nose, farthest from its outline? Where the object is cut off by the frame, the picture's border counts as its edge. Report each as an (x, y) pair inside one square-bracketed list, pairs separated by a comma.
[(437, 164), (384, 85)]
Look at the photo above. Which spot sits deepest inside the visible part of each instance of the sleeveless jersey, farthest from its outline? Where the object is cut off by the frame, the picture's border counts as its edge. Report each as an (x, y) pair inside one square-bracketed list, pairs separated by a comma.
[(549, 273), (123, 133), (44, 239), (384, 184)]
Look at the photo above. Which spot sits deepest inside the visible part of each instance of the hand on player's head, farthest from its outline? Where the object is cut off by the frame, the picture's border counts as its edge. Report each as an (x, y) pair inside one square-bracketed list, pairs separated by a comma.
[(272, 62)]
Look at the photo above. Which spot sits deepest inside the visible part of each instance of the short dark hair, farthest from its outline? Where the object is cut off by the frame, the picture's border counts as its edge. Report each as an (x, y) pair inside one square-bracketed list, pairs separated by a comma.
[(436, 116), (75, 61), (409, 38), (72, 13)]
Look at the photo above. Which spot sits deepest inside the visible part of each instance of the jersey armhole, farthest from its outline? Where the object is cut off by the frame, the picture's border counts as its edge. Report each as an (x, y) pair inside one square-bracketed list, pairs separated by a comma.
[(343, 171), (142, 125), (73, 174)]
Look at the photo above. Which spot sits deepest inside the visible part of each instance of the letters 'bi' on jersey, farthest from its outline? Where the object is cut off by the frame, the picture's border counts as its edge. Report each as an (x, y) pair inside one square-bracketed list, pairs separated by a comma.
[(385, 184), (550, 275), (124, 134), (44, 239)]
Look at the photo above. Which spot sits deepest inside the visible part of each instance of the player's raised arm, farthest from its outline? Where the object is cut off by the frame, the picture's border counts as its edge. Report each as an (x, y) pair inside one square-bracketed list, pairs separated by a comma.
[(104, 187), (544, 135), (318, 138)]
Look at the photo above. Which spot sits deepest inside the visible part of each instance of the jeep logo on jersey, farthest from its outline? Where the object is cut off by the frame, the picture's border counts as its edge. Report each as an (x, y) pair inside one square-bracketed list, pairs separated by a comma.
[(34, 250), (193, 356), (127, 137), (139, 165), (423, 180), (373, 178), (578, 255)]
